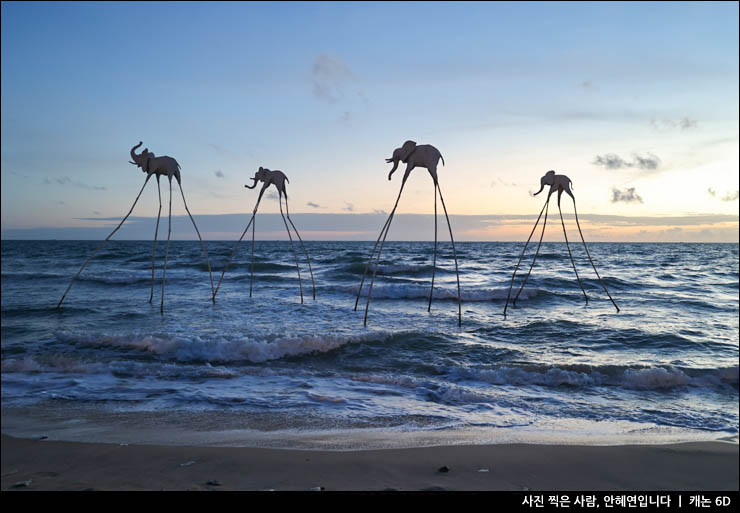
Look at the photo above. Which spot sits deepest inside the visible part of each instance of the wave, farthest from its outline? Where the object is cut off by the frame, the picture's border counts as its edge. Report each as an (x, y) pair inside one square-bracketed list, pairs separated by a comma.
[(358, 268), (63, 364), (259, 267), (410, 291), (201, 349), (645, 378)]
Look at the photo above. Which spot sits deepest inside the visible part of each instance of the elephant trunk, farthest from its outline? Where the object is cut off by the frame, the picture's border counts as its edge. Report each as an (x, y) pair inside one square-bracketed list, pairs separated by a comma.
[(254, 184), (542, 186), (395, 161), (133, 153)]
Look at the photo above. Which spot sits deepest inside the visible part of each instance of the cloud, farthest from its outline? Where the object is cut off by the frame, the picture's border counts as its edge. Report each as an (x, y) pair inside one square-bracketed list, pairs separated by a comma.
[(650, 162), (612, 161), (353, 226), (588, 85), (684, 123), (312, 204), (65, 180), (625, 195), (731, 196), (380, 212), (336, 84), (330, 78), (505, 184), (349, 207), (96, 212), (219, 173)]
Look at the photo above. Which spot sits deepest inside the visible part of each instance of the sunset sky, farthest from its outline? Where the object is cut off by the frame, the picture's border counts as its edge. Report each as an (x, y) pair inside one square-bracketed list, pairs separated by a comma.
[(636, 102)]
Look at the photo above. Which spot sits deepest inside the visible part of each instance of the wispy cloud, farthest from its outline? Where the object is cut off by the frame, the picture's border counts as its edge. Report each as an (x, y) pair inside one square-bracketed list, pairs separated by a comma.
[(731, 196), (219, 173), (349, 207), (499, 181), (612, 161), (336, 84), (380, 212), (331, 77), (625, 195), (312, 204), (684, 123), (65, 180)]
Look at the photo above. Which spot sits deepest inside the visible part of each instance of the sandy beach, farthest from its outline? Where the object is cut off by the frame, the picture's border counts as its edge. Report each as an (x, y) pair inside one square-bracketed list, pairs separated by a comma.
[(54, 465)]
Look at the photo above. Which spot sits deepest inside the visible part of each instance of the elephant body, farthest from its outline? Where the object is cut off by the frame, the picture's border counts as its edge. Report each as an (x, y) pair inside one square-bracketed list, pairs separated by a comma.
[(269, 177), (413, 155), (558, 183), (153, 165)]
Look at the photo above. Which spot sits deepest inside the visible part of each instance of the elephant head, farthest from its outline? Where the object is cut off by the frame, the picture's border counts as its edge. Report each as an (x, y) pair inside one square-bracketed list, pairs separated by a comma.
[(142, 158), (258, 176), (401, 155), (548, 179)]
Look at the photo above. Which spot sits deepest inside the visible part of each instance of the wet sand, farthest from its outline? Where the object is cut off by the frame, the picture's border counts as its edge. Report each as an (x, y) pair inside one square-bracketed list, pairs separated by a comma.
[(29, 464)]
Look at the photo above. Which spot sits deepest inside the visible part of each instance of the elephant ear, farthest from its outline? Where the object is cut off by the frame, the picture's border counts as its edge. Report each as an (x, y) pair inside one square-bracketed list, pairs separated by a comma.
[(406, 150)]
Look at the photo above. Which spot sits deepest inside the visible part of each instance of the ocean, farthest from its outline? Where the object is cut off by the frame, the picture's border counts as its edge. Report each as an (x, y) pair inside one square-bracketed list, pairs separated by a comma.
[(272, 371)]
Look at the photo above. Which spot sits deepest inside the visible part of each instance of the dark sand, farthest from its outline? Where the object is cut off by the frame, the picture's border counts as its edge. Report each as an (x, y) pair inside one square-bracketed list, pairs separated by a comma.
[(53, 465)]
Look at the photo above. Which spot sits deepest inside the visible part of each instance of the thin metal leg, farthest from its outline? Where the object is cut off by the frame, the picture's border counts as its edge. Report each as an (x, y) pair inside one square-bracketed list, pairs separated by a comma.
[(522, 256), (290, 237), (202, 244), (544, 223), (59, 305), (377, 261), (251, 260), (434, 261), (589, 257), (233, 253), (570, 254), (454, 254), (287, 212), (167, 250), (382, 231), (156, 230)]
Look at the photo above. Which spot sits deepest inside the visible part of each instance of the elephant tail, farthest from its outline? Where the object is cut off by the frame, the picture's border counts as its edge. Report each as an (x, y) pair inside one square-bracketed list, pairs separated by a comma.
[(443, 159)]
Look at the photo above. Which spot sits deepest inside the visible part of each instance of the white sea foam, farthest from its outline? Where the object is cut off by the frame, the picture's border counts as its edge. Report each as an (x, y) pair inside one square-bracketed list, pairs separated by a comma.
[(652, 378), (221, 349)]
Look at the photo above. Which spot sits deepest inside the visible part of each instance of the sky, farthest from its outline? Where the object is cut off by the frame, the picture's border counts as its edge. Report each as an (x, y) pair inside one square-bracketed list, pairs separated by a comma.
[(636, 102)]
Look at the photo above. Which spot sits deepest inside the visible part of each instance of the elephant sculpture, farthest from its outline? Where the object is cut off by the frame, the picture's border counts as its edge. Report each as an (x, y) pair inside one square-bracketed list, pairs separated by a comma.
[(557, 183), (413, 155), (428, 157), (268, 177), (278, 179), (153, 166)]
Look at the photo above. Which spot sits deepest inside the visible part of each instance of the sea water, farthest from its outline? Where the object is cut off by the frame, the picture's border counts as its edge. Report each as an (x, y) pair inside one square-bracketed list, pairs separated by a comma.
[(274, 371)]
